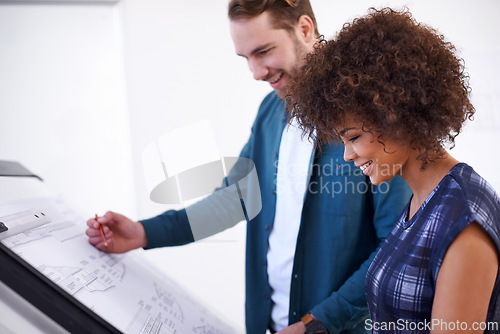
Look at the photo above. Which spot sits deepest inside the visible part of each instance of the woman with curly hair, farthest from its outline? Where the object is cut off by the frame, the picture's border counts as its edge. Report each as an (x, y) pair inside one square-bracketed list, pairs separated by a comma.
[(395, 93)]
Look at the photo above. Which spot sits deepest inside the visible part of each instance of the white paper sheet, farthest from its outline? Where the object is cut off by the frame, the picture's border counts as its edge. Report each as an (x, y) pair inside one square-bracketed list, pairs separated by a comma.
[(123, 289)]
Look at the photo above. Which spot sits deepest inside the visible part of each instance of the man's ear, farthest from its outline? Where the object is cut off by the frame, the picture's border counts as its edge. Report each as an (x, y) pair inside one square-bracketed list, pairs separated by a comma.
[(306, 29)]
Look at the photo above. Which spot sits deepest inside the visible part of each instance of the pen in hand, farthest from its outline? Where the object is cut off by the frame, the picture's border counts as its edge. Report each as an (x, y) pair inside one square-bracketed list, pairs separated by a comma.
[(102, 232)]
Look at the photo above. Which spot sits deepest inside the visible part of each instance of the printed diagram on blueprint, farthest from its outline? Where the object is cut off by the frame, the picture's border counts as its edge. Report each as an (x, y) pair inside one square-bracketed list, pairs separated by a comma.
[(123, 289)]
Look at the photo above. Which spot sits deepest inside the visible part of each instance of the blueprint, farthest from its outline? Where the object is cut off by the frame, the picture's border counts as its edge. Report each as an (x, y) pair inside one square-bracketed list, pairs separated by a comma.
[(123, 289)]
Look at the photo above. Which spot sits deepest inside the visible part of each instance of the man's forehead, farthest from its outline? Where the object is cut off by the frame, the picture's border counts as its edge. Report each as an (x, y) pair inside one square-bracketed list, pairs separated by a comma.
[(250, 35)]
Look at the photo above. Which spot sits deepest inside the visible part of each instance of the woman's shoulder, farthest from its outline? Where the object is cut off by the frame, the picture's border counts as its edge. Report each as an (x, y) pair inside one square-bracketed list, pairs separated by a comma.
[(466, 196), (472, 188)]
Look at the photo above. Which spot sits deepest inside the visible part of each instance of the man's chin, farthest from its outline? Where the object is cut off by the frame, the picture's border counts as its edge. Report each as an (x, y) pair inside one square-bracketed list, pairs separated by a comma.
[(281, 92)]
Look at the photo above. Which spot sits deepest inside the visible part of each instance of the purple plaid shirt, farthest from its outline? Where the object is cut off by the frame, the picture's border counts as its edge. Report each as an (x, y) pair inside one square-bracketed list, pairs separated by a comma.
[(401, 281)]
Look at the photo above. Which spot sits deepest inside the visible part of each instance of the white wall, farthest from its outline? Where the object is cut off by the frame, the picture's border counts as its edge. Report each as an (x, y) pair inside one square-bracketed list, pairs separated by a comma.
[(99, 82), (62, 101)]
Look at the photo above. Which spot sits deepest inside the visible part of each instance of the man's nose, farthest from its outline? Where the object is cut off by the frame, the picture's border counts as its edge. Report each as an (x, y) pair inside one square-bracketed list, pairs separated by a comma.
[(258, 69)]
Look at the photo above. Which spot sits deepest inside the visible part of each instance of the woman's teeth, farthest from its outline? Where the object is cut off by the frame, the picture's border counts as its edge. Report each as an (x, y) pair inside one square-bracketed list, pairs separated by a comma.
[(365, 166)]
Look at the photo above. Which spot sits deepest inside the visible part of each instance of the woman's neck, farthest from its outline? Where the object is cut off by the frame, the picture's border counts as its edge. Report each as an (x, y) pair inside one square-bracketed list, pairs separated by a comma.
[(423, 182)]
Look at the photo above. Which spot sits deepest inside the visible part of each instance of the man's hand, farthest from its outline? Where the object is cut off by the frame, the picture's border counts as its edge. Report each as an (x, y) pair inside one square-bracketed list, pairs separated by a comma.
[(122, 234), (296, 328)]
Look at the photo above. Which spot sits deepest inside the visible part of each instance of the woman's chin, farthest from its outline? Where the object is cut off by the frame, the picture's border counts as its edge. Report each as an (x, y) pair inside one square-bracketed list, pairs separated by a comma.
[(376, 181)]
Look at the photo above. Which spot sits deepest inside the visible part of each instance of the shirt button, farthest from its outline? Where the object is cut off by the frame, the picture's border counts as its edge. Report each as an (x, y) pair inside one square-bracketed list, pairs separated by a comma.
[(275, 155), (295, 276), (266, 297), (266, 227), (273, 192), (294, 313)]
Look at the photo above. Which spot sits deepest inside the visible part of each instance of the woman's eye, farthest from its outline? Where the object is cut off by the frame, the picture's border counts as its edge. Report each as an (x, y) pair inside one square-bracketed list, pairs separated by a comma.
[(353, 139)]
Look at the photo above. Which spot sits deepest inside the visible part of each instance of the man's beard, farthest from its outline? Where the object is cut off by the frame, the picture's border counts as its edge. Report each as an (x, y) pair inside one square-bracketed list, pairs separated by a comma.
[(300, 54)]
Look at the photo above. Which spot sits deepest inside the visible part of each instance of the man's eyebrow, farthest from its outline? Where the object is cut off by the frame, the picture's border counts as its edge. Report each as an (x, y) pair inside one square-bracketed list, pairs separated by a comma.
[(342, 132), (257, 49)]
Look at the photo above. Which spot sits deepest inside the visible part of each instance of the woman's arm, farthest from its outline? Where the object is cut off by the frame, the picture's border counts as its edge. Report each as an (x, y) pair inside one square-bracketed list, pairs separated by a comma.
[(465, 283)]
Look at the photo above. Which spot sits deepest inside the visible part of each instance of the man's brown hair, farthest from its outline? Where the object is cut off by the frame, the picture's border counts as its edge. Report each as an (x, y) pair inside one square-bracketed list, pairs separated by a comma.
[(285, 13)]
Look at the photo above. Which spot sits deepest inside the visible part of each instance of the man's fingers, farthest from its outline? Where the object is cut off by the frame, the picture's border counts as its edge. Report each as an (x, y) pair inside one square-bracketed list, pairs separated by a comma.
[(96, 240), (91, 222), (92, 232), (98, 243)]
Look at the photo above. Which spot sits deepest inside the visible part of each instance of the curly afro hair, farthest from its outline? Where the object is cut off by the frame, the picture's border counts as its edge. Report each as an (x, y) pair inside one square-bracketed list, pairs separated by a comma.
[(398, 77)]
